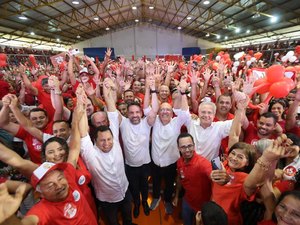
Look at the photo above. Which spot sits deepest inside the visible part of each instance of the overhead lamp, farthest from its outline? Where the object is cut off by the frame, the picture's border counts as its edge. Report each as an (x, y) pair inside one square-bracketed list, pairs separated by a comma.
[(22, 17), (206, 2), (179, 28), (134, 7), (218, 36), (207, 35), (96, 18), (226, 38), (274, 19), (32, 33), (57, 39), (136, 20), (107, 28), (248, 31), (237, 30), (151, 7), (78, 36), (75, 2), (189, 18)]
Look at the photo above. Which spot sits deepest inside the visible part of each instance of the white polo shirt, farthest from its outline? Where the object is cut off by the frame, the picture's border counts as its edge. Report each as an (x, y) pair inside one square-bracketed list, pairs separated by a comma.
[(164, 139), (208, 141), (107, 169), (136, 142)]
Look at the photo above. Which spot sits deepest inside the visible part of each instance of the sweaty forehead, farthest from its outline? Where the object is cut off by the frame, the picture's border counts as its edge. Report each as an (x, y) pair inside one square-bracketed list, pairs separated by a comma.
[(166, 105)]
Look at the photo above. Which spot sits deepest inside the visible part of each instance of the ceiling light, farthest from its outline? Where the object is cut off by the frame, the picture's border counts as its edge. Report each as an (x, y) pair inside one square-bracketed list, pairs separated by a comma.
[(78, 36), (134, 7), (136, 20), (57, 39), (237, 30), (218, 36), (32, 33), (189, 18), (256, 15), (22, 17), (226, 37), (96, 18), (151, 7), (248, 31), (274, 19), (107, 28), (75, 2), (206, 2), (207, 35), (179, 28)]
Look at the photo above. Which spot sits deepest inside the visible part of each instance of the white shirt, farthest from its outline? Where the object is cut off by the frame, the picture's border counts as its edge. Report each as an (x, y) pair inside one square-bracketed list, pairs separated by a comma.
[(136, 142), (208, 141), (107, 168), (164, 139)]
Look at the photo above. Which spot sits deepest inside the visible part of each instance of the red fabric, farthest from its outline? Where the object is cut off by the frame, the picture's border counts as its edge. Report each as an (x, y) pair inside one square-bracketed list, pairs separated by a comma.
[(251, 135), (224, 142), (83, 179), (45, 100), (266, 222), (284, 185), (4, 88), (282, 124), (34, 145), (73, 210), (91, 81), (195, 179), (230, 196)]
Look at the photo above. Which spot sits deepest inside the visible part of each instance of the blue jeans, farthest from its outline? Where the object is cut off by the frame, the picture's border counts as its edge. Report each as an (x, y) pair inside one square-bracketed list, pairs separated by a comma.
[(188, 214)]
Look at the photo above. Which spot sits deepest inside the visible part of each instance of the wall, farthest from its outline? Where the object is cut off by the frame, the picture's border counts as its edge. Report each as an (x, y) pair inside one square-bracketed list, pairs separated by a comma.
[(146, 39)]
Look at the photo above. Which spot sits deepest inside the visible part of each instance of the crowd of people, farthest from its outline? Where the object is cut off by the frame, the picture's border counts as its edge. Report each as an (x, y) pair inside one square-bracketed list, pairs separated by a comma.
[(82, 139)]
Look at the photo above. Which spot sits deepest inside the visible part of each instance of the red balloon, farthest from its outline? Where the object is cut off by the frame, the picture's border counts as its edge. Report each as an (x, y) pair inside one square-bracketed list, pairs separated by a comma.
[(226, 56), (297, 49), (258, 55), (3, 63), (33, 61), (275, 73), (262, 85), (3, 56), (280, 89), (289, 82), (250, 52)]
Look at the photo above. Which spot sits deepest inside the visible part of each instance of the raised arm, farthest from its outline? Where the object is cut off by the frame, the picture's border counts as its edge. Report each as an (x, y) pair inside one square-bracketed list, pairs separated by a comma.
[(266, 164), (194, 83), (71, 71), (207, 74), (154, 100), (56, 99), (75, 135), (292, 112), (27, 82), (95, 68)]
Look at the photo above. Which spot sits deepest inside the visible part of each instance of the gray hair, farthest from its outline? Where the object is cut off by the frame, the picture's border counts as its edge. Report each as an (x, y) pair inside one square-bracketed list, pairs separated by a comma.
[(214, 107)]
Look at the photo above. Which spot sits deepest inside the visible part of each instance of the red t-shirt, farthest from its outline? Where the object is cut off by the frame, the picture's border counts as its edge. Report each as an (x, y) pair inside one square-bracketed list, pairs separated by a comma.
[(266, 222), (44, 99), (195, 179), (73, 210), (224, 142), (4, 88), (230, 196), (251, 135), (34, 145)]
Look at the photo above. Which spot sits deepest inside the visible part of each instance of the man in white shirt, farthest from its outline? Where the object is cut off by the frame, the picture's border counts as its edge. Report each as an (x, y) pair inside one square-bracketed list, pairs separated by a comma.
[(135, 131), (164, 150), (105, 162)]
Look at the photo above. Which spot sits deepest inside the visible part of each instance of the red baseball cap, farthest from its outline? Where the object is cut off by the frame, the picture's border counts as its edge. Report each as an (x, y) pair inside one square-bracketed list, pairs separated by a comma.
[(44, 169)]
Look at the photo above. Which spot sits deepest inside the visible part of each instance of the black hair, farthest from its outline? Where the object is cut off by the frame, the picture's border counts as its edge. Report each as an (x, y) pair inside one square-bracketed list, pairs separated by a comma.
[(59, 140), (280, 101), (133, 103), (38, 110), (62, 121), (294, 138), (101, 129), (269, 115), (224, 95), (213, 214), (184, 135)]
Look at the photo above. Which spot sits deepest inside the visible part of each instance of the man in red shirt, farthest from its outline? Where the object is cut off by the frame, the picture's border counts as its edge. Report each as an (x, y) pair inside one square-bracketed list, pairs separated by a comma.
[(266, 127), (62, 200), (194, 175)]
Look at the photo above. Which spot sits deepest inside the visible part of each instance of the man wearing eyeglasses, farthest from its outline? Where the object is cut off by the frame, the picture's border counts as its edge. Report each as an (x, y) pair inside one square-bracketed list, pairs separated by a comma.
[(194, 176)]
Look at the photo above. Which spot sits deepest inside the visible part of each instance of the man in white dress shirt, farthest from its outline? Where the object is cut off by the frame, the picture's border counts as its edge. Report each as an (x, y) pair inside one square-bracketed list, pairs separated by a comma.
[(164, 150), (105, 162)]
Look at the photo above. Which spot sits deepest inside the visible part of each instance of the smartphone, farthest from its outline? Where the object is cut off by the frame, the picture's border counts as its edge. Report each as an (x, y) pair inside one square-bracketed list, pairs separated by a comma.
[(216, 163)]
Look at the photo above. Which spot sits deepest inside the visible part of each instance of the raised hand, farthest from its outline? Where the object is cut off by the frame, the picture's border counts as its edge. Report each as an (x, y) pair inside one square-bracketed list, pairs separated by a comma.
[(171, 67), (194, 76), (207, 74), (108, 53), (89, 89)]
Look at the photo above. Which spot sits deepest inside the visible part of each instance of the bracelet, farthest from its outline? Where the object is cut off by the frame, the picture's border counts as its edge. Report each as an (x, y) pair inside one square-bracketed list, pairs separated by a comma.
[(265, 166), (153, 91), (57, 92)]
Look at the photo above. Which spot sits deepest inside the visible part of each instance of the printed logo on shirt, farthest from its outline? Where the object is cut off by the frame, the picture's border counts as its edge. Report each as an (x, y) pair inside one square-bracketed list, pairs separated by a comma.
[(70, 210), (36, 144), (76, 195), (81, 180), (289, 172)]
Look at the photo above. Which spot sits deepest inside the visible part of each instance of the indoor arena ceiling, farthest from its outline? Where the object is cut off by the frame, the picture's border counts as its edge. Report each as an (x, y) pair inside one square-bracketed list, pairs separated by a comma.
[(68, 21)]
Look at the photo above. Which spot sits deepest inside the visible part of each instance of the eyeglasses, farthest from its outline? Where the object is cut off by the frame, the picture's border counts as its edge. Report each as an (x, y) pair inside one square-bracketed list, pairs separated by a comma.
[(186, 147)]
